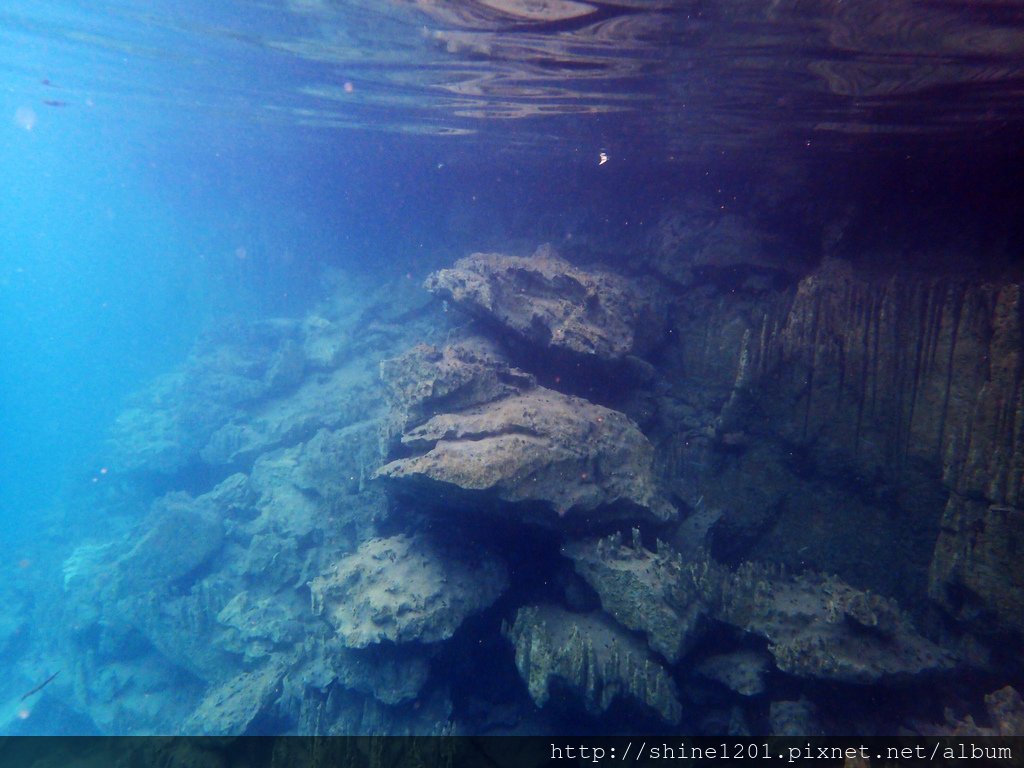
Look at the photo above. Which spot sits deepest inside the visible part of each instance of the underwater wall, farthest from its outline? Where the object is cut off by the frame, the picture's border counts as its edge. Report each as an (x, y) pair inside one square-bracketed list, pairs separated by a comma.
[(727, 485)]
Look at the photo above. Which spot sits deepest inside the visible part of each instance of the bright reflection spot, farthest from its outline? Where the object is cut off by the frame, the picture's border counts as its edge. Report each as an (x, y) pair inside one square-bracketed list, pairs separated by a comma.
[(25, 117)]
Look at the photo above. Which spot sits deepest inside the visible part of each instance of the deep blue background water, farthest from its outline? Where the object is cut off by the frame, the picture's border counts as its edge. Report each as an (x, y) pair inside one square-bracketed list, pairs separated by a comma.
[(124, 231)]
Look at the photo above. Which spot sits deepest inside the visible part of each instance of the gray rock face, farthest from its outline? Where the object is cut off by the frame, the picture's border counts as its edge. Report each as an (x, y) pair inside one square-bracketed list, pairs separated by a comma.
[(171, 421), (975, 571), (552, 304), (542, 447), (230, 708), (595, 658), (403, 589), (334, 399), (181, 534)]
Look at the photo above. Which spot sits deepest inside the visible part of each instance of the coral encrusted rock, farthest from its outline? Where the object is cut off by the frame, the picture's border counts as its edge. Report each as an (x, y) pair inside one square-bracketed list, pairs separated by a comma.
[(552, 304), (549, 450), (405, 588), (593, 657)]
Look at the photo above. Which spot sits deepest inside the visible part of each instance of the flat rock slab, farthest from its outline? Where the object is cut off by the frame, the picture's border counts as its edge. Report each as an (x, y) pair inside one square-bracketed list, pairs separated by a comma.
[(563, 453), (552, 304)]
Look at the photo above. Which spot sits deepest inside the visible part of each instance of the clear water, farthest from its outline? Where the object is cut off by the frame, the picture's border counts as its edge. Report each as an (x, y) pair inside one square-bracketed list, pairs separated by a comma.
[(169, 165)]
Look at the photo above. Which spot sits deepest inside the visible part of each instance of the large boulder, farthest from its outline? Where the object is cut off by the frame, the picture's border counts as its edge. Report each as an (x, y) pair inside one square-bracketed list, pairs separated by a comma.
[(552, 304), (178, 536), (403, 589)]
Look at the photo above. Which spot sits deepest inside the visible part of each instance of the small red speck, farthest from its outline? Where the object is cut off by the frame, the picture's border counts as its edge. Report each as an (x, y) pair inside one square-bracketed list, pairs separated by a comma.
[(558, 379), (348, 87)]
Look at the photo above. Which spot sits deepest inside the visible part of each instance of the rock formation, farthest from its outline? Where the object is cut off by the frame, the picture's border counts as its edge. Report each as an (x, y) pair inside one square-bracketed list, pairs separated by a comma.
[(591, 655), (549, 303), (313, 518), (508, 440), (655, 593), (404, 588)]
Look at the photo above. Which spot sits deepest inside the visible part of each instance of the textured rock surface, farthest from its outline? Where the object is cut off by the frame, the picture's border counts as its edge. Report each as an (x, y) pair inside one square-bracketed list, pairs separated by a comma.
[(552, 304), (333, 399), (593, 656), (403, 589), (797, 718), (1005, 717), (820, 627), (703, 243), (654, 593), (229, 709), (541, 446), (976, 573), (426, 380), (179, 535), (821, 417), (597, 660), (168, 424)]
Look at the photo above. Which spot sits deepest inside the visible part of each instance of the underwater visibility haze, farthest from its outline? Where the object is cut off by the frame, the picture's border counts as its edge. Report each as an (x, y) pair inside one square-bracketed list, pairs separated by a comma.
[(512, 367)]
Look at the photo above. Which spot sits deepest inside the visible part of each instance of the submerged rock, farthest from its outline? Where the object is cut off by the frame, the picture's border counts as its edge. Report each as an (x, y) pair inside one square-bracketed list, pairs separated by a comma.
[(740, 671), (548, 302), (655, 593), (820, 627), (975, 571), (593, 657), (1005, 711), (797, 718), (405, 588), (426, 380), (230, 708), (561, 453), (180, 535), (332, 399)]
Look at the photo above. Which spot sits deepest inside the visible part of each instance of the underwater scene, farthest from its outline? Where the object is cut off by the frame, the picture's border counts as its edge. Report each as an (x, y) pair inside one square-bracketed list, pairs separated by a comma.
[(512, 367)]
